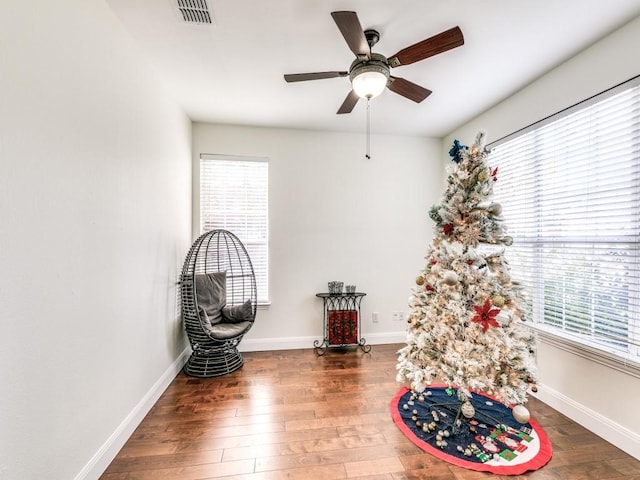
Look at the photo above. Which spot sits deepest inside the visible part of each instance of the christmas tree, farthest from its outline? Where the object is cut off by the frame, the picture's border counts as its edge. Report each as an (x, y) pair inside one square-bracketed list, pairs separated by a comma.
[(466, 324)]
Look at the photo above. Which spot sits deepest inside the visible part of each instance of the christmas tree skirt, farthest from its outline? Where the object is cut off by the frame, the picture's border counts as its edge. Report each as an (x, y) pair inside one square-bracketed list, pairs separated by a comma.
[(490, 441)]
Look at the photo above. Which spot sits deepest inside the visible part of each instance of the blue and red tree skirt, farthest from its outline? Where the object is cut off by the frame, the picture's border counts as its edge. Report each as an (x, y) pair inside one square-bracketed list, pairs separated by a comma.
[(486, 438)]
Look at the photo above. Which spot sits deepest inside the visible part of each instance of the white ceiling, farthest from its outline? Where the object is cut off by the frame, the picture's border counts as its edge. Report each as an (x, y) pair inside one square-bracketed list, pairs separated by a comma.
[(232, 71)]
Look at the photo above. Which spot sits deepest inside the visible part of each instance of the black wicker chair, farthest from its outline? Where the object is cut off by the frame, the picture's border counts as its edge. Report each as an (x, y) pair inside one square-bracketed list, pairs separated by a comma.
[(219, 301)]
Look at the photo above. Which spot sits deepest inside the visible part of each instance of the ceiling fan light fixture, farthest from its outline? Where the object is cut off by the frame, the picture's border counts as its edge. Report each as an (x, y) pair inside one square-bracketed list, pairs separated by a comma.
[(369, 81), (370, 72)]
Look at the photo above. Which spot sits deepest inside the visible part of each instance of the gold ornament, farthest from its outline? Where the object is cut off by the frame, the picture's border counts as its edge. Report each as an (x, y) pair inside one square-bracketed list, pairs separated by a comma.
[(420, 280), (498, 300), (483, 176)]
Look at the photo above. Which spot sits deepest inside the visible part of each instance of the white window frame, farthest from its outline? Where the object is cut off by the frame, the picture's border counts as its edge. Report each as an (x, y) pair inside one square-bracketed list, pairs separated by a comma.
[(243, 210), (531, 248)]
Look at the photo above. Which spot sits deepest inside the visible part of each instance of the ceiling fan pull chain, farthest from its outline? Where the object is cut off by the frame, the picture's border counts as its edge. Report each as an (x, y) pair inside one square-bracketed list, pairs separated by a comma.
[(368, 154)]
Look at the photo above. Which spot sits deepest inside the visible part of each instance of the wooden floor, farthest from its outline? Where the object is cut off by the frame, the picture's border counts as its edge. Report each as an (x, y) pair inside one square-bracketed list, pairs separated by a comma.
[(294, 415)]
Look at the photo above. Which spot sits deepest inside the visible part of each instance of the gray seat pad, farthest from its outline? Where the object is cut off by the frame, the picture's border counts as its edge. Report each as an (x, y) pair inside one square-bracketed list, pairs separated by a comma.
[(224, 331)]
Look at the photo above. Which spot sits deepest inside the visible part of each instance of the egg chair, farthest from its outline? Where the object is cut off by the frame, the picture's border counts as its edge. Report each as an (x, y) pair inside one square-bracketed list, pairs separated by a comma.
[(219, 302)]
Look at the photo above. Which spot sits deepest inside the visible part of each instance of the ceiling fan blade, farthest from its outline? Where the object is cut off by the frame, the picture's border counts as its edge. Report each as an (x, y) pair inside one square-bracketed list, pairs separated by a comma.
[(408, 89), (301, 77), (352, 32), (439, 43), (349, 103)]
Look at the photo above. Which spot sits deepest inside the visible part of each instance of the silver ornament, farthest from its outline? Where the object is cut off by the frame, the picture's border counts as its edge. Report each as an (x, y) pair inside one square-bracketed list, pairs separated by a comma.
[(450, 278), (521, 414), (467, 410)]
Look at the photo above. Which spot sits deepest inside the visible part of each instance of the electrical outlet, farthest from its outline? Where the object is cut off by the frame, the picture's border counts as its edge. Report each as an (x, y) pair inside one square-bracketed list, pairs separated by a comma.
[(401, 317), (374, 317)]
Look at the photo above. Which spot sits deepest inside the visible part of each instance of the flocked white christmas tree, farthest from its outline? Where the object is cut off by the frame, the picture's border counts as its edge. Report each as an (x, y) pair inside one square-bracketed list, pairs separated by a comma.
[(466, 320)]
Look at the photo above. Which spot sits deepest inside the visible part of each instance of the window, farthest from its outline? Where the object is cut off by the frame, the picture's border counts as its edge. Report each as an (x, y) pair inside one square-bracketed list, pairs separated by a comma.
[(570, 192), (233, 196)]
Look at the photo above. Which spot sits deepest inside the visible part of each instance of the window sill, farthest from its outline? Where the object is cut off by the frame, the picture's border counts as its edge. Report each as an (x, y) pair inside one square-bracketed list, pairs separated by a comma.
[(597, 354)]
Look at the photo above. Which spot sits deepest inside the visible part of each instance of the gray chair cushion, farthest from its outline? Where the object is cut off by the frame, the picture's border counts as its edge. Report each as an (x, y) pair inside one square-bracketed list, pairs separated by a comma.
[(224, 331), (238, 313), (211, 294)]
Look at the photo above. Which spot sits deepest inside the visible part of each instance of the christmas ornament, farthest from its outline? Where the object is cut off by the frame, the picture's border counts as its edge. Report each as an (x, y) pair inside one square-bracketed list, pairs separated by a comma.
[(450, 278), (447, 229), (467, 410), (498, 300), (457, 150), (420, 280), (521, 414), (494, 209)]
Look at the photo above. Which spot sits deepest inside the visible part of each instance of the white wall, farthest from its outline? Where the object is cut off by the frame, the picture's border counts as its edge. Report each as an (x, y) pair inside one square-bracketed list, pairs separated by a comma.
[(601, 398), (95, 199), (334, 215)]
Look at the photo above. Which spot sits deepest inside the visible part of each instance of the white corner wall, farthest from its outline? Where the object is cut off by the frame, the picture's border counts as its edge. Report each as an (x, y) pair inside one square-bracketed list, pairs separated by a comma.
[(602, 399), (95, 192), (334, 215)]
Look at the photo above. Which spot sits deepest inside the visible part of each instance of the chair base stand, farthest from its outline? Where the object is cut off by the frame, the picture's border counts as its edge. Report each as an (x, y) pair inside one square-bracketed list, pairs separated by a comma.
[(213, 362)]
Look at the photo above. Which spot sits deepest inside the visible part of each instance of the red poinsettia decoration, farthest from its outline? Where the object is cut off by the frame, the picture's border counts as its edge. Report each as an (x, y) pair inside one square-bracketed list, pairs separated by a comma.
[(486, 316), (494, 174)]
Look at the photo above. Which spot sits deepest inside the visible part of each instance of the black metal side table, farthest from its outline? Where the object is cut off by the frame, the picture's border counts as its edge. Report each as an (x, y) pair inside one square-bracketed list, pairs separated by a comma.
[(342, 322)]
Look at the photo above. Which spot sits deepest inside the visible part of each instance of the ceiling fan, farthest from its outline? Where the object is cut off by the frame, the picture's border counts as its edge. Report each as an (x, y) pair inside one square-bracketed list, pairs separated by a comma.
[(370, 72)]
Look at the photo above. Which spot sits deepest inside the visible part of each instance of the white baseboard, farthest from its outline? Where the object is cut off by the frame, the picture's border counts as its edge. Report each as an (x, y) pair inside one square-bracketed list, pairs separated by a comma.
[(105, 455), (616, 434), (294, 343)]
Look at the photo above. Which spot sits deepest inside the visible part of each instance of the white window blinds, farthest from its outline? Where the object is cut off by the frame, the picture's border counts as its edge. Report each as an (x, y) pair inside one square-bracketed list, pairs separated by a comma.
[(570, 191), (234, 197)]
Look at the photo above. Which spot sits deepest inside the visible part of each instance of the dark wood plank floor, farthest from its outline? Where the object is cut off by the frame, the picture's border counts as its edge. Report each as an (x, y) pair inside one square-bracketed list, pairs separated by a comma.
[(294, 415)]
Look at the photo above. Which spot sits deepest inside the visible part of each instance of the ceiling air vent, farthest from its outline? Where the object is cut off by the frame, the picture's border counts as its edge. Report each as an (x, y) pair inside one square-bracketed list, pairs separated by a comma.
[(195, 11)]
